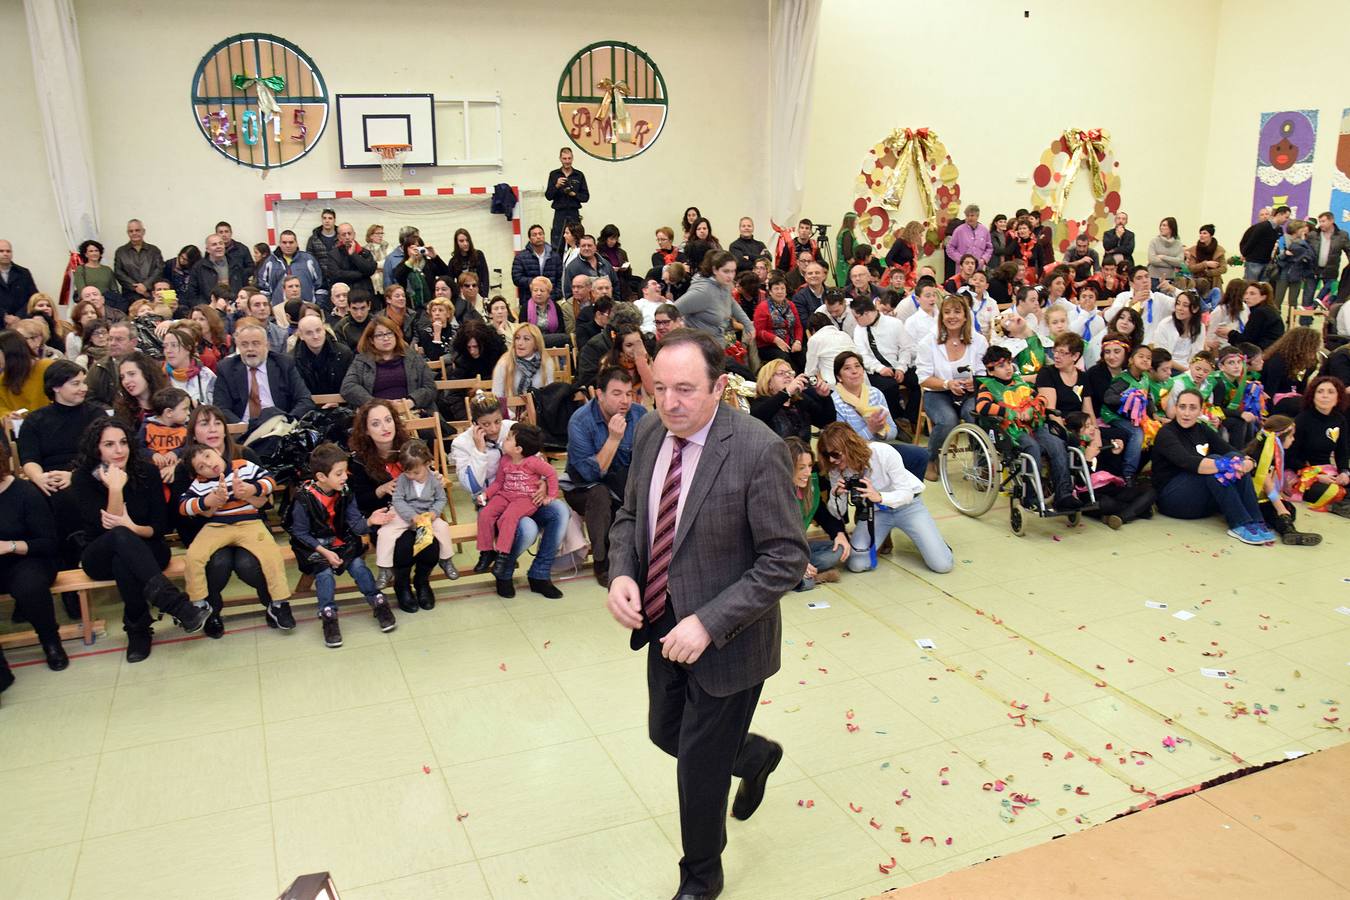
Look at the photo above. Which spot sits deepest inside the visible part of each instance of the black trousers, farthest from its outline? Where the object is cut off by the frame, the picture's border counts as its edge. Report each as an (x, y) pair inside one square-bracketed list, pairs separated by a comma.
[(796, 360), (710, 738), (902, 404), (131, 562), (560, 219), (29, 581), (596, 504), (230, 561)]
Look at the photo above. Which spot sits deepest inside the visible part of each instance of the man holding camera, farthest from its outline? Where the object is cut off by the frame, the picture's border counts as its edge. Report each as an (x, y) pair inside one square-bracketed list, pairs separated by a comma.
[(566, 191)]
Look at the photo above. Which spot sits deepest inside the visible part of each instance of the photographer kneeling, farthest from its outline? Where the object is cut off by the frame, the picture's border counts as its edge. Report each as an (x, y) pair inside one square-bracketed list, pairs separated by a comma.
[(825, 555), (873, 479)]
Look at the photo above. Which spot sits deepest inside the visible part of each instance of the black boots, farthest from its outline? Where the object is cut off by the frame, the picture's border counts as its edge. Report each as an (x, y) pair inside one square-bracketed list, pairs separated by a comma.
[(138, 639), (55, 654), (165, 596), (403, 589), (215, 625), (546, 587), (485, 560), (422, 589), (502, 568)]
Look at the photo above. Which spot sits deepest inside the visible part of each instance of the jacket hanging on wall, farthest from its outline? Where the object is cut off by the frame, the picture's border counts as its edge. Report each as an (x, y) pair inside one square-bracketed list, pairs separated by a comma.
[(503, 199)]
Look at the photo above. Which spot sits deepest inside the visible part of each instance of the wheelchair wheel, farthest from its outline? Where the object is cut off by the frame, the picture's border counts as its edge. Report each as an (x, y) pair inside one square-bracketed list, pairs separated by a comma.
[(1015, 519), (1074, 519), (968, 468)]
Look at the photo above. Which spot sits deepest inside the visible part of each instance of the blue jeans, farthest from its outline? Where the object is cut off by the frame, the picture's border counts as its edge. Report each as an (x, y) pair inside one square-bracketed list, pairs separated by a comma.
[(1133, 435), (914, 457), (1251, 271), (551, 519), (1210, 300), (1041, 443), (824, 557), (1192, 496), (944, 410), (916, 522), (325, 583)]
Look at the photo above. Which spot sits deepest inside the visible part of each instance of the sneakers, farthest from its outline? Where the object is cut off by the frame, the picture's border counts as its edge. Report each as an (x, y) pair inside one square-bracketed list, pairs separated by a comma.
[(1252, 534), (383, 577), (332, 632), (383, 614), (191, 617), (448, 567), (279, 616)]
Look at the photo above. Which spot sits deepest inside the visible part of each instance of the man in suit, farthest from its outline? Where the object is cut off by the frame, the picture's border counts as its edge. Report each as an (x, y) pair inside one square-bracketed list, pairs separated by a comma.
[(257, 384), (698, 579)]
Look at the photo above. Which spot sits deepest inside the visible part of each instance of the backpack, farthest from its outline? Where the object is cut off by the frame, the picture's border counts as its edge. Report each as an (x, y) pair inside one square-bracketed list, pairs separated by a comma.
[(553, 407)]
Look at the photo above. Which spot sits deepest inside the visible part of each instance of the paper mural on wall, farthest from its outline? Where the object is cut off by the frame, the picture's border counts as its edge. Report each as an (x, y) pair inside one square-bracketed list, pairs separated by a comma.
[(1340, 176), (259, 100), (1284, 161), (612, 100)]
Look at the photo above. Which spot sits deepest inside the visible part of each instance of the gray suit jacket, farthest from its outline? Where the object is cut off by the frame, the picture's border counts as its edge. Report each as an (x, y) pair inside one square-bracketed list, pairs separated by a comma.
[(738, 548)]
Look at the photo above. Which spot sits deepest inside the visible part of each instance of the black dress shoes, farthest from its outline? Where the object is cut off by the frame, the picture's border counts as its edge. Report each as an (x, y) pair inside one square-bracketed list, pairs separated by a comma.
[(56, 655), (711, 895), (751, 792)]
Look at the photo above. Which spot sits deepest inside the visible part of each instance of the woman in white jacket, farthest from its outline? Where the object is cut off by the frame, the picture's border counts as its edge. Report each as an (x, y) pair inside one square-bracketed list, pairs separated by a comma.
[(1182, 333), (891, 490)]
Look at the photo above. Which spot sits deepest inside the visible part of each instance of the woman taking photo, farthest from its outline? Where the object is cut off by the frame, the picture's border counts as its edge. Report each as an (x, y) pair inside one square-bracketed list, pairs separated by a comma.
[(377, 437), (183, 368), (825, 555), (1264, 324), (1183, 332), (466, 259), (884, 489), (946, 366), (477, 453), (416, 273), (545, 313), (1289, 363), (1196, 474), (215, 343), (139, 377), (50, 439), (779, 334), (120, 499), (28, 564), (789, 403), (384, 369), (524, 368)]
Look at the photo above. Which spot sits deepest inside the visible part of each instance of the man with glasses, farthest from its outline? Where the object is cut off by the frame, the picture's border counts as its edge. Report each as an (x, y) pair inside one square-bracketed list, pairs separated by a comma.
[(257, 384), (667, 319)]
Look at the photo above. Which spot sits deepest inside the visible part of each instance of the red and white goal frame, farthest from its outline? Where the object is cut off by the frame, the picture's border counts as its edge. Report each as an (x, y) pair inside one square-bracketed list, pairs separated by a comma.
[(270, 201)]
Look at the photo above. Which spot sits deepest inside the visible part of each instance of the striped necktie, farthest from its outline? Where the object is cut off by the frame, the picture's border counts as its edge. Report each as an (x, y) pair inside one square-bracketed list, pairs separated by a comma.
[(663, 543)]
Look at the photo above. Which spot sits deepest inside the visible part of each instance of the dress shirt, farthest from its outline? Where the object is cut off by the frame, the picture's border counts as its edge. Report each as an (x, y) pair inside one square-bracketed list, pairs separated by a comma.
[(689, 457)]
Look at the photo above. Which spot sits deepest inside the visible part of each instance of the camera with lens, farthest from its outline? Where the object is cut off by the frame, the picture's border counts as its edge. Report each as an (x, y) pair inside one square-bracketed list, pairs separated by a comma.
[(822, 230), (856, 491), (811, 382)]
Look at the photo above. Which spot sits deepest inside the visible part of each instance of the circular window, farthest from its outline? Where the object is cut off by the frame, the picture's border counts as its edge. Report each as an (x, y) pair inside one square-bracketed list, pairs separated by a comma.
[(259, 100), (612, 100)]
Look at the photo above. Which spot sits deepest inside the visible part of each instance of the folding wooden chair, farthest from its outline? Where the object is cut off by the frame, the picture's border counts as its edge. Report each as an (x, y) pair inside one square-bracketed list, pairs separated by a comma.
[(325, 399), (562, 362), (468, 385), (236, 429)]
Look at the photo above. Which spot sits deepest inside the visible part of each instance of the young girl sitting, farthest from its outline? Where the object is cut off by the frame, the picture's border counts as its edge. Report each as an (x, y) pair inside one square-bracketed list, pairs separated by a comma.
[(418, 501), (1117, 503), (1129, 407), (229, 496), (1199, 376), (1238, 397), (510, 497), (1268, 450)]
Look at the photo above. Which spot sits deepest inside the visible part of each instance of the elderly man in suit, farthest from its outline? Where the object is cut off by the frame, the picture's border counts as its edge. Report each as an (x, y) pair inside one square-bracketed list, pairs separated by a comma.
[(698, 578), (258, 384)]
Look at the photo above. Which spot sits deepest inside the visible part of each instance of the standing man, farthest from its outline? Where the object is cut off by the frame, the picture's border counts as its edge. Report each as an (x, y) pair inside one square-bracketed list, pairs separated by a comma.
[(238, 254), (745, 248), (136, 264), (971, 237), (1120, 240), (1328, 243), (698, 579), (1258, 243), (789, 249), (218, 267), (323, 240), (537, 260), (16, 286), (348, 263), (566, 190), (287, 260)]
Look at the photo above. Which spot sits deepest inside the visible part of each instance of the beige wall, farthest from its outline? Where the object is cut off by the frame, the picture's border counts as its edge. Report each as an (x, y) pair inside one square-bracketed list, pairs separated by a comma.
[(156, 166)]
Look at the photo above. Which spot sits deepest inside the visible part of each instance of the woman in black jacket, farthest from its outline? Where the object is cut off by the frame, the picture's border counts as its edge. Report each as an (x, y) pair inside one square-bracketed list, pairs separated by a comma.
[(1289, 364), (120, 498), (1264, 323), (464, 258), (474, 354), (28, 561), (789, 403)]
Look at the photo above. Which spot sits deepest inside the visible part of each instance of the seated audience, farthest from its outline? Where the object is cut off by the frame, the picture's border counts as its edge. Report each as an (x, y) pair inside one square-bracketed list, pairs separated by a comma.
[(21, 376), (321, 359), (946, 365), (523, 368), (350, 327), (257, 383), (512, 496), (28, 560), (419, 499), (385, 368), (140, 378), (436, 329), (547, 314), (791, 404), (183, 367), (1319, 459)]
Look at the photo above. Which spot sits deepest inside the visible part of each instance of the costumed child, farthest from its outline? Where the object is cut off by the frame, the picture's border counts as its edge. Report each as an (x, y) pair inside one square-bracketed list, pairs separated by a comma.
[(1268, 450), (418, 500), (326, 530), (1117, 503), (1004, 395), (1199, 377), (510, 497), (1128, 405), (1320, 457), (230, 497), (165, 432), (1238, 397), (1159, 379)]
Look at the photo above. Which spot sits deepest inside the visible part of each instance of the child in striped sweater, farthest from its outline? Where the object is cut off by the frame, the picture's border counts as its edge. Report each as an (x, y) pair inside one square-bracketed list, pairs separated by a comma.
[(229, 497)]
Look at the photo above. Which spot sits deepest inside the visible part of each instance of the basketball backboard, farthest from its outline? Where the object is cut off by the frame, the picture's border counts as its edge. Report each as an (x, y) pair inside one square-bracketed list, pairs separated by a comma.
[(368, 119)]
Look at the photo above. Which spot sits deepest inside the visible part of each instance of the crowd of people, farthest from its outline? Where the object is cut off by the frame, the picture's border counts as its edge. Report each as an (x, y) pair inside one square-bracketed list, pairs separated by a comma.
[(135, 414)]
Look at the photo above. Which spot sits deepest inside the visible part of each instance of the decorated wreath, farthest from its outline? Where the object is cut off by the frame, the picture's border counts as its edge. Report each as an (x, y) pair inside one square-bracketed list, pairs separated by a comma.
[(885, 176), (1053, 178)]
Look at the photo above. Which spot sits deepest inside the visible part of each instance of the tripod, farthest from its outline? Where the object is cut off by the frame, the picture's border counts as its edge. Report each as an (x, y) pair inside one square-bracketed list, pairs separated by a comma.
[(825, 256)]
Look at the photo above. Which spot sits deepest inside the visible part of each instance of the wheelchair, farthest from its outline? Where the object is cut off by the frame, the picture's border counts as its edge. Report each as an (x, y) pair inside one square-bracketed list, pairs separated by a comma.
[(978, 462)]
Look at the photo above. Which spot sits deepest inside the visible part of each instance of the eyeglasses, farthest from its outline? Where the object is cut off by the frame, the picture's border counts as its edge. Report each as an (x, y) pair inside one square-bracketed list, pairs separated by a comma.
[(833, 455), (472, 284), (382, 334), (662, 321)]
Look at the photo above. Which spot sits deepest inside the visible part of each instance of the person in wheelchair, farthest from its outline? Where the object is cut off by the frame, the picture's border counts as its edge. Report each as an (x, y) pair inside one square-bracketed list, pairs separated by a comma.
[(871, 477), (1003, 395)]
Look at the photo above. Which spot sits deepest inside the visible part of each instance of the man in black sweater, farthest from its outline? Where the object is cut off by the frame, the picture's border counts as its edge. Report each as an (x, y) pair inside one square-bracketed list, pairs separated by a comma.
[(566, 191), (745, 248), (1258, 243)]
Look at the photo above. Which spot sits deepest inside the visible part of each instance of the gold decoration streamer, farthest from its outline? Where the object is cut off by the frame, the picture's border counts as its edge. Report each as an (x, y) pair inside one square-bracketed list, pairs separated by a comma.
[(913, 148), (1082, 147), (615, 91)]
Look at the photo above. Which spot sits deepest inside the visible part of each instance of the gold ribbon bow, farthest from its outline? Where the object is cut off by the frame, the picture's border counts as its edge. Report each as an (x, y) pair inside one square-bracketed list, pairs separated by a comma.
[(913, 147), (615, 91), (1082, 147)]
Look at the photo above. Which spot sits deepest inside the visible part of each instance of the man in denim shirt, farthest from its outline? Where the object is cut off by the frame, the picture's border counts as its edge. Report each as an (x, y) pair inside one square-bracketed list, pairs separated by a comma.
[(599, 450)]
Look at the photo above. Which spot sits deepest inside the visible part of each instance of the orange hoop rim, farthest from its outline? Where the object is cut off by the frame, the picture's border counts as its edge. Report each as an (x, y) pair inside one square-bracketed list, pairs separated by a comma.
[(388, 151)]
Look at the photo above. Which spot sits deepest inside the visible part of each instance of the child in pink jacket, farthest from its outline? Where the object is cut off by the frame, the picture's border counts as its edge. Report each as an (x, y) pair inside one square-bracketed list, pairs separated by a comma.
[(510, 497)]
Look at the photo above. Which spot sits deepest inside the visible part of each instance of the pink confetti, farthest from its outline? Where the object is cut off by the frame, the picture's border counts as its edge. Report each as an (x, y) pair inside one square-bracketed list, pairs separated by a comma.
[(948, 842), (765, 702), (546, 643), (502, 666), (1055, 538), (856, 809), (426, 770), (874, 823), (851, 727), (461, 817)]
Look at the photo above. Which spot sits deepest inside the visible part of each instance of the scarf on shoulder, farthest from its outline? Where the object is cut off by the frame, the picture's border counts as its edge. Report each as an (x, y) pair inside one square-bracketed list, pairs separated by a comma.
[(526, 368), (182, 375), (809, 500), (416, 289), (783, 320), (863, 407)]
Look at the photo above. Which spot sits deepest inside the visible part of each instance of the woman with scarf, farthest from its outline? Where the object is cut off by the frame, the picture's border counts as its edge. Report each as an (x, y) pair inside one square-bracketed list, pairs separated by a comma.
[(825, 555), (215, 341), (93, 344), (182, 366), (778, 330), (417, 273), (1207, 263), (396, 310), (552, 319), (1320, 456), (608, 247), (524, 368), (862, 407), (384, 369), (1031, 250), (379, 249)]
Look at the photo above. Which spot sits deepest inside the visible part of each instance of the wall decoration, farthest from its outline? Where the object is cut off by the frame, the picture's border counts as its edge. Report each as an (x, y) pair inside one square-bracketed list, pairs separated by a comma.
[(1053, 179), (884, 178), (1284, 161), (259, 100), (1340, 176), (612, 100)]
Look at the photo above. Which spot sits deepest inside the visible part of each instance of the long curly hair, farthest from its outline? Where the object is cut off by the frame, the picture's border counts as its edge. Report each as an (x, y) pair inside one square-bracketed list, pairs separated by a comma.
[(126, 406), (1298, 347), (364, 449), (140, 473)]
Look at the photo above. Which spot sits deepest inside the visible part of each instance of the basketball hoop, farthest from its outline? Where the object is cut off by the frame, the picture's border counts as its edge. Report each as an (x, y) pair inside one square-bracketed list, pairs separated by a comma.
[(391, 160)]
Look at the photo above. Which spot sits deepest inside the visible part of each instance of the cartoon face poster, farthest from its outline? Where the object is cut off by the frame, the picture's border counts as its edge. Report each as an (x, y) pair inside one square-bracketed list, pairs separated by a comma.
[(1284, 161), (1340, 177)]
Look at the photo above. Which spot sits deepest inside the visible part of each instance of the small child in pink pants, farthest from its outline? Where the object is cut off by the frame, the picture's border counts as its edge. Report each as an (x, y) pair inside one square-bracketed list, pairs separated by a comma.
[(510, 497)]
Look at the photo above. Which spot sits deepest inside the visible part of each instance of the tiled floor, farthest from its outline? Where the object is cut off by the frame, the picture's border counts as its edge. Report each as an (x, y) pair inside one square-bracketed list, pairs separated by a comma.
[(497, 749)]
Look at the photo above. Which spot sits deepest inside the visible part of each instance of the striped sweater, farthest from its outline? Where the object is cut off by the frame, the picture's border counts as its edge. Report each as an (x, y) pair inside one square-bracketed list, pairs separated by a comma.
[(233, 510)]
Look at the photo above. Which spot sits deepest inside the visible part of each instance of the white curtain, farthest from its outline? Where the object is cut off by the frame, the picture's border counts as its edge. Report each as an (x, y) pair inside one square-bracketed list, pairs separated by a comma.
[(792, 45), (58, 75)]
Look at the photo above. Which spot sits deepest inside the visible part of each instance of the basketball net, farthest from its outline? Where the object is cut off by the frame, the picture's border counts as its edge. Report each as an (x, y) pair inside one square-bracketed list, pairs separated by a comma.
[(391, 160)]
